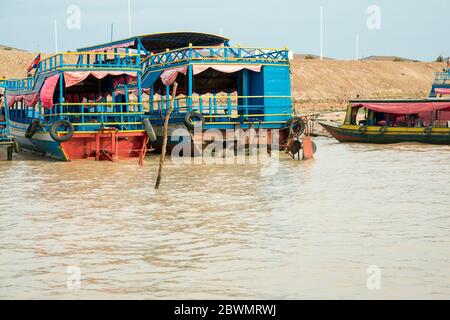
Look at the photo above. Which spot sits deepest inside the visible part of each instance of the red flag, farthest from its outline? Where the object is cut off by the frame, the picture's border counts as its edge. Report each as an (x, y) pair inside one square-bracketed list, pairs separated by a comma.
[(35, 63)]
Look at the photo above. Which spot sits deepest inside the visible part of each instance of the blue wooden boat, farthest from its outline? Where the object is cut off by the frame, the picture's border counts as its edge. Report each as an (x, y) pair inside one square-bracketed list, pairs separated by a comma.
[(77, 106), (6, 142), (221, 86)]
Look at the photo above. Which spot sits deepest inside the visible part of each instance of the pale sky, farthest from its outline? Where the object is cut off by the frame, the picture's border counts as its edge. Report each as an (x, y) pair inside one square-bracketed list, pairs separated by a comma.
[(416, 29)]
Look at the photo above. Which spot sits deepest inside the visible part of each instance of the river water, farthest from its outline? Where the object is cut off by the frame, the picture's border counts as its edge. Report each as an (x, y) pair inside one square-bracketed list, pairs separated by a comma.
[(312, 230)]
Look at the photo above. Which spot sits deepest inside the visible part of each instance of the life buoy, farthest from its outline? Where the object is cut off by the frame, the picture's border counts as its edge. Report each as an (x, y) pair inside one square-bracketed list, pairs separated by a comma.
[(192, 118), (66, 137), (149, 129), (32, 129)]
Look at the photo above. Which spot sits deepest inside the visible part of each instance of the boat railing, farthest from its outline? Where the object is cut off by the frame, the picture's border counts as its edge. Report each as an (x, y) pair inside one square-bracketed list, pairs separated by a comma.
[(94, 116), (216, 54), (20, 84), (88, 60), (76, 61), (226, 109)]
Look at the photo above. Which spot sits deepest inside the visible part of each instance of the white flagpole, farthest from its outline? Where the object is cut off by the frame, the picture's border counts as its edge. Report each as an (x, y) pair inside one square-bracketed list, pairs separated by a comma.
[(321, 33), (129, 18), (56, 37), (357, 46)]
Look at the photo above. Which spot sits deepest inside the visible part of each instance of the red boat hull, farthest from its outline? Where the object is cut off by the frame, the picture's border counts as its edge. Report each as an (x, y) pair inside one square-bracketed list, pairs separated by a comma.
[(105, 146)]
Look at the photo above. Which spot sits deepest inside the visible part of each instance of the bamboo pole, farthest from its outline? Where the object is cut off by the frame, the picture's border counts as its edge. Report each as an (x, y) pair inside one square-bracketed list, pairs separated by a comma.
[(165, 135)]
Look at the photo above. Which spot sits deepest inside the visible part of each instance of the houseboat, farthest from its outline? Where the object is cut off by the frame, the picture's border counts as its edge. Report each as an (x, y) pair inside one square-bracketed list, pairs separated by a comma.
[(220, 86), (395, 121), (75, 107), (6, 142)]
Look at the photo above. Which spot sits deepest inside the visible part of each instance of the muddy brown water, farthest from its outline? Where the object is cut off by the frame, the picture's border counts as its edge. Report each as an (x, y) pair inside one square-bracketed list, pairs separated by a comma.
[(230, 231)]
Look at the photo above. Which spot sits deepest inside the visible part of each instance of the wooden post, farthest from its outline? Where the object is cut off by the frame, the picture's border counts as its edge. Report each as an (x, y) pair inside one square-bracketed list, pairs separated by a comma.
[(165, 135)]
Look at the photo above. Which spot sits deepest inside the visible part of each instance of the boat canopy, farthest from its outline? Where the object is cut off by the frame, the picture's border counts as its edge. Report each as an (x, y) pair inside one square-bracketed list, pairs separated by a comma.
[(161, 41), (168, 77), (403, 107)]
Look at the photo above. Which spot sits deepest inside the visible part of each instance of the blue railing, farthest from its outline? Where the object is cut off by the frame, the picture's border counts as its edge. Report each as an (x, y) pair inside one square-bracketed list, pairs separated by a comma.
[(87, 60), (20, 84), (442, 77), (94, 116), (228, 110), (76, 60), (216, 54)]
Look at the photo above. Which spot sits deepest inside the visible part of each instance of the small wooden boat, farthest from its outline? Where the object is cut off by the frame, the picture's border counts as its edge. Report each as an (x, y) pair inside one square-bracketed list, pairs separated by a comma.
[(394, 121)]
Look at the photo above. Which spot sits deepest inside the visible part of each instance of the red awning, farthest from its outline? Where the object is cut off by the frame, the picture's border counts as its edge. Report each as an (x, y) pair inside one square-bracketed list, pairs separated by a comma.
[(75, 77), (442, 91), (48, 90), (403, 107)]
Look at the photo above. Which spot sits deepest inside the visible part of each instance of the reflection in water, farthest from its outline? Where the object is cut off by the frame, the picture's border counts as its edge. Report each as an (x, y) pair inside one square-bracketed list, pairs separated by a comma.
[(230, 231)]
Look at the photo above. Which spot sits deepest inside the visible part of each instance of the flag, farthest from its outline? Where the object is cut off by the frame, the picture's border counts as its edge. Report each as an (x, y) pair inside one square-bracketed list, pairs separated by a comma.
[(35, 63)]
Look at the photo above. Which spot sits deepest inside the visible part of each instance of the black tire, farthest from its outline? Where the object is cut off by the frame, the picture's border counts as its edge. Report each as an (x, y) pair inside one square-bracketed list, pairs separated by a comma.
[(62, 123), (295, 147), (314, 147), (32, 129), (17, 147), (190, 117), (149, 129)]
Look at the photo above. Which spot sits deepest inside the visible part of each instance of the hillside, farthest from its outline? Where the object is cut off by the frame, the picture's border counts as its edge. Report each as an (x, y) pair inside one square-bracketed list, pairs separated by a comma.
[(329, 84)]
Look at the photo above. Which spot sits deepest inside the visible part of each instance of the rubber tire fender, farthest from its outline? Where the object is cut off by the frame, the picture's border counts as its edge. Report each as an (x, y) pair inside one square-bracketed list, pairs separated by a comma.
[(17, 147), (60, 123), (149, 129), (190, 116), (32, 129)]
